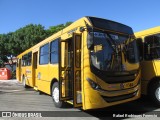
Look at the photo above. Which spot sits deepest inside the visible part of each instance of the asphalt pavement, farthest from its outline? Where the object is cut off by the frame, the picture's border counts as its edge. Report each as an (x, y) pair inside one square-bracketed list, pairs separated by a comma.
[(17, 102)]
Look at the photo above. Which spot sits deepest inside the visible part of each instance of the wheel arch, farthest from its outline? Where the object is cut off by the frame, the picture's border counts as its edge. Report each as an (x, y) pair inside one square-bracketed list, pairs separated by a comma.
[(150, 83), (52, 82), (23, 76)]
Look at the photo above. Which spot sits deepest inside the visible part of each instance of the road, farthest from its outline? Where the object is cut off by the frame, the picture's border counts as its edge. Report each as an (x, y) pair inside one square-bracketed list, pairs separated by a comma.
[(16, 99)]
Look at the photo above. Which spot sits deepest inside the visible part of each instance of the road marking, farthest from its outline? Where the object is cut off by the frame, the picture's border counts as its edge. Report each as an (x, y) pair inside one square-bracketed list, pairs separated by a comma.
[(10, 90)]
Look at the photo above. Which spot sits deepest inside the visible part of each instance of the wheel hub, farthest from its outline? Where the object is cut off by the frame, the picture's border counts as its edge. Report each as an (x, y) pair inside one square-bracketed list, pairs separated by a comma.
[(158, 93), (55, 94)]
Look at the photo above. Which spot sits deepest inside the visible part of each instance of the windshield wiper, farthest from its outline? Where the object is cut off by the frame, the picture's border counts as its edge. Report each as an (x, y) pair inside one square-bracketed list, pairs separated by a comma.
[(119, 49), (111, 42), (115, 48)]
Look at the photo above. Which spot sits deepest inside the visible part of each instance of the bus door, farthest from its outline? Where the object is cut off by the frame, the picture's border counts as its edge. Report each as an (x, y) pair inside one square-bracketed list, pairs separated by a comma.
[(77, 71), (34, 74), (19, 69), (70, 70)]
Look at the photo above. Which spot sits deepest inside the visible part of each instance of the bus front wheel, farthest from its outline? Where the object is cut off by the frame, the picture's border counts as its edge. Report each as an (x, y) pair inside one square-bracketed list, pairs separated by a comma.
[(55, 96), (154, 92)]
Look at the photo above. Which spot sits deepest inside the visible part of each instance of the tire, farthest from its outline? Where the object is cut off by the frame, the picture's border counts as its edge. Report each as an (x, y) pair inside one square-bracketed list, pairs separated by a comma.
[(40, 92), (154, 92), (55, 96), (24, 83)]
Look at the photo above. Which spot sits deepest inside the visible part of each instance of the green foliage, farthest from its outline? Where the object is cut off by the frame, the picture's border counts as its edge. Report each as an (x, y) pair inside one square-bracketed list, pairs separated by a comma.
[(14, 43), (54, 29), (25, 38), (3, 59), (3, 51)]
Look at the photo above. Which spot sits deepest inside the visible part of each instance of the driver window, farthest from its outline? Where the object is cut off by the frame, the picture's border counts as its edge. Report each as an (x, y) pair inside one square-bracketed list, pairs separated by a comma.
[(140, 48)]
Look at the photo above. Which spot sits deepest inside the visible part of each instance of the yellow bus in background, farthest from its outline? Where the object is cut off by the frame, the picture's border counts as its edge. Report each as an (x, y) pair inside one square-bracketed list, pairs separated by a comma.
[(149, 51), (93, 63)]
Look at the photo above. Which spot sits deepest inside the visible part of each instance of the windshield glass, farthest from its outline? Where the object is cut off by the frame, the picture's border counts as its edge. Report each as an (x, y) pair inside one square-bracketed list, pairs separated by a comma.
[(108, 51), (152, 47)]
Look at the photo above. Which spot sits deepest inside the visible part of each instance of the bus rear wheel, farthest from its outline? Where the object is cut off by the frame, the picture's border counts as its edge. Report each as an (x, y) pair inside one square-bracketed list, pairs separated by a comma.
[(154, 92), (55, 96), (24, 82)]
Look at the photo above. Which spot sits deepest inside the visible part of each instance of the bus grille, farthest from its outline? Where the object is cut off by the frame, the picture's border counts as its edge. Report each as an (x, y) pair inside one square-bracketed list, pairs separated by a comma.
[(118, 98), (120, 79)]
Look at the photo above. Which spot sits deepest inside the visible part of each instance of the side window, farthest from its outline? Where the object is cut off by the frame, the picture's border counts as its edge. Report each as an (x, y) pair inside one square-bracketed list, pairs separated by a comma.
[(152, 47), (44, 54), (29, 59), (54, 51), (140, 48), (26, 59)]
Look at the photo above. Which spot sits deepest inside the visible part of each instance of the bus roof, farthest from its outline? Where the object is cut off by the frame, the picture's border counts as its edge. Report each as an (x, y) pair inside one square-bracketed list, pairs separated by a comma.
[(78, 23), (110, 25), (148, 32), (87, 20)]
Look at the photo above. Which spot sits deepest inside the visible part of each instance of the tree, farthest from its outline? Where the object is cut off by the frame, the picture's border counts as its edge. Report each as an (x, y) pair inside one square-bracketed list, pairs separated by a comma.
[(14, 43), (3, 59), (26, 37), (3, 51), (54, 29)]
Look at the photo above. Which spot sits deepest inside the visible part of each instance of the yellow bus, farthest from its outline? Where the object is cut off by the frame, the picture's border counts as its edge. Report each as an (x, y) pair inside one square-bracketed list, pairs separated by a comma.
[(93, 63), (149, 51)]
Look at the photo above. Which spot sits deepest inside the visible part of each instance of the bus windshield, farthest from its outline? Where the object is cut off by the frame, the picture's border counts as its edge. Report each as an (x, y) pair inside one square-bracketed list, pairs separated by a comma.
[(108, 49)]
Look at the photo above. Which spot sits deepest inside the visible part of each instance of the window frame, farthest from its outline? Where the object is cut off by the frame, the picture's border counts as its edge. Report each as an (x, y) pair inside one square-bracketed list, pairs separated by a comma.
[(52, 52), (27, 61), (47, 53), (141, 54)]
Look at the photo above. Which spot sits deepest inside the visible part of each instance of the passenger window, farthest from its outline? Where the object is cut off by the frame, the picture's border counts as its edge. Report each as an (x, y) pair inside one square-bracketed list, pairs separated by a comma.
[(29, 59), (44, 54), (24, 60), (152, 47), (54, 51)]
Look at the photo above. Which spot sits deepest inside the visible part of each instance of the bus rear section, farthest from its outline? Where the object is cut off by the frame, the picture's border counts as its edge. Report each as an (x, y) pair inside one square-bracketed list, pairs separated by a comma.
[(149, 52)]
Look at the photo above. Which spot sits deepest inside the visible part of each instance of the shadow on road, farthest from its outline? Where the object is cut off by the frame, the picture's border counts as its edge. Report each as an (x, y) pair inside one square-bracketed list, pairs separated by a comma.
[(140, 107)]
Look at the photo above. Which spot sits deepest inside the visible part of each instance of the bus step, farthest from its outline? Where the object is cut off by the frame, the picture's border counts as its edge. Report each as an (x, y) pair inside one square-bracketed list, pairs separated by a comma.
[(35, 88), (70, 102)]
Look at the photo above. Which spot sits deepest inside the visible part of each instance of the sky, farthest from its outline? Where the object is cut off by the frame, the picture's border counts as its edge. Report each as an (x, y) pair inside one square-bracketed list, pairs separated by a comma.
[(138, 14)]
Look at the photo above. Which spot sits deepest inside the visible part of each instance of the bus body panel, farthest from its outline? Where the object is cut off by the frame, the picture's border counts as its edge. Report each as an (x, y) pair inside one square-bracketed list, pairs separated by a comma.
[(42, 76), (157, 67), (149, 68)]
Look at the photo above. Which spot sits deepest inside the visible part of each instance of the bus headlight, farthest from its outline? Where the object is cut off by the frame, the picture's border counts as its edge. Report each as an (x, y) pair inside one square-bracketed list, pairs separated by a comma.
[(93, 84)]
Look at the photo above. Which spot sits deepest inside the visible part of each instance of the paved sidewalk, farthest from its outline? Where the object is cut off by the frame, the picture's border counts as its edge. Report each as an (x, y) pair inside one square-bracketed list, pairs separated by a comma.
[(12, 84)]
